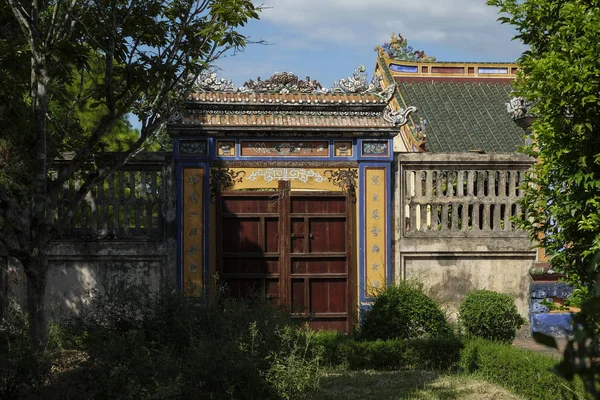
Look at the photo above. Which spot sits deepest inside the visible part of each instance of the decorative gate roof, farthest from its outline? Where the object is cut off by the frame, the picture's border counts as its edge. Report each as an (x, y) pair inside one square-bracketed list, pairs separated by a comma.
[(462, 106), (284, 103)]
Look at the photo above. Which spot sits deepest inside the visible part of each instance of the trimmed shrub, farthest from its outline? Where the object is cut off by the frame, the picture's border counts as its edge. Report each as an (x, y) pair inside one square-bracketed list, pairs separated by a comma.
[(346, 352), (403, 311), (490, 315), (524, 372)]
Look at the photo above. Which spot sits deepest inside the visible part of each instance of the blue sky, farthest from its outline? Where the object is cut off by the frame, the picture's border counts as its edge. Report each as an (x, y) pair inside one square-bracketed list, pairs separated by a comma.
[(327, 39)]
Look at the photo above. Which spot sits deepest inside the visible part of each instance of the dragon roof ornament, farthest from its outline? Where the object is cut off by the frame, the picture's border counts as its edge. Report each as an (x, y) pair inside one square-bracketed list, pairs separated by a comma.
[(399, 117), (208, 81), (287, 82), (357, 83), (283, 82), (518, 107)]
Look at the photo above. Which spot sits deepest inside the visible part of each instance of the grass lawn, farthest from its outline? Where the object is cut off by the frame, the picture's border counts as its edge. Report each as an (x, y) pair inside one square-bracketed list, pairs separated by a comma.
[(394, 385)]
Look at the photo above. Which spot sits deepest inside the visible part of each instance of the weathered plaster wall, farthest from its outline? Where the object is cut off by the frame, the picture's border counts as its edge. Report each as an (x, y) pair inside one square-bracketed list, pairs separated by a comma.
[(461, 238), (448, 277), (82, 261), (76, 269)]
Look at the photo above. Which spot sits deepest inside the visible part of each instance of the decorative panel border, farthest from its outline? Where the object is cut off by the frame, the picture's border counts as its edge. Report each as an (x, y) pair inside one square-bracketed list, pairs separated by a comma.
[(225, 148), (375, 231), (342, 149), (192, 148), (192, 230), (372, 148), (266, 148)]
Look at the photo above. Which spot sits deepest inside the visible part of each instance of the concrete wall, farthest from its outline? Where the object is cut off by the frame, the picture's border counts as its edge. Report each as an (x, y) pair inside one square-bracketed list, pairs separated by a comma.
[(77, 269), (107, 249), (451, 258)]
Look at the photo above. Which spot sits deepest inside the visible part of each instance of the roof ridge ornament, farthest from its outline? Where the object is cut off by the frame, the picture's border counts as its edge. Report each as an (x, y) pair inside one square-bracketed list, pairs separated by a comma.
[(388, 92), (282, 82), (399, 49), (357, 83), (518, 107), (208, 81), (399, 117)]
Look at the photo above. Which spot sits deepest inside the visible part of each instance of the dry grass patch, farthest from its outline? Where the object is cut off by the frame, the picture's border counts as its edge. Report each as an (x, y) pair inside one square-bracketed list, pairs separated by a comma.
[(395, 385)]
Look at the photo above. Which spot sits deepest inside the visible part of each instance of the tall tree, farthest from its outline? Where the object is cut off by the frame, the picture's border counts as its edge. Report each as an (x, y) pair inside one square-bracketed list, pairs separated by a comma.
[(150, 51), (560, 75)]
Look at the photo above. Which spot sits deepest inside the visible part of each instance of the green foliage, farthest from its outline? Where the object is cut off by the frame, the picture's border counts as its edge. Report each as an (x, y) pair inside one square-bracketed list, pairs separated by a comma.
[(581, 356), (524, 372), (560, 73), (295, 372), (81, 68), (147, 345), (21, 368), (403, 311), (490, 315), (346, 352)]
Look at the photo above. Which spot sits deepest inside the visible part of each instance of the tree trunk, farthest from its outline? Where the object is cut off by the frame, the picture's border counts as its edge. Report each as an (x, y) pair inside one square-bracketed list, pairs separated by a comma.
[(36, 270)]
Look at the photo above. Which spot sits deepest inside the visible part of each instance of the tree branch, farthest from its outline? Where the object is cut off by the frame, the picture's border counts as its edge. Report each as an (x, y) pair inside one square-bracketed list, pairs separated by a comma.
[(23, 19)]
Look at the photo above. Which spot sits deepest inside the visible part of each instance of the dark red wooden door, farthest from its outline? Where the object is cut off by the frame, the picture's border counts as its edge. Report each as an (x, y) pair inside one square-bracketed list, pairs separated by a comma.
[(294, 249), (248, 244)]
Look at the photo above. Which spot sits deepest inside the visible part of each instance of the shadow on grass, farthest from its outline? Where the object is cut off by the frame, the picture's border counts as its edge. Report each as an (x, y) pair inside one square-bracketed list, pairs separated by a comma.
[(384, 385), (396, 385)]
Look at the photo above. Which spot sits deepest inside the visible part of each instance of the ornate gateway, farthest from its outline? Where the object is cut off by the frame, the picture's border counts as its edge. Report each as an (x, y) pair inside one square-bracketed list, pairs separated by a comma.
[(284, 190)]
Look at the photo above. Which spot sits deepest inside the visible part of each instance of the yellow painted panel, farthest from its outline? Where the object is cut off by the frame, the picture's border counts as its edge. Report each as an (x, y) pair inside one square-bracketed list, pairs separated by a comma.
[(225, 148), (342, 149), (300, 178), (193, 230), (375, 229)]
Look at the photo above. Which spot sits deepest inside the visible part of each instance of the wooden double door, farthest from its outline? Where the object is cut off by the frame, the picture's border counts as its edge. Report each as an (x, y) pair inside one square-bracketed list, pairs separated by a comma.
[(293, 248)]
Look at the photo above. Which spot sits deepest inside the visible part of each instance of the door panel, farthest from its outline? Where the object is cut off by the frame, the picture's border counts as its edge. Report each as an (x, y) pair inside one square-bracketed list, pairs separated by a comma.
[(310, 273), (248, 245)]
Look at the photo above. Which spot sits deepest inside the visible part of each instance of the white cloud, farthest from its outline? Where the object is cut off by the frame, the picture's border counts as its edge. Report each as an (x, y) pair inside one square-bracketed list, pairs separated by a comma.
[(463, 25)]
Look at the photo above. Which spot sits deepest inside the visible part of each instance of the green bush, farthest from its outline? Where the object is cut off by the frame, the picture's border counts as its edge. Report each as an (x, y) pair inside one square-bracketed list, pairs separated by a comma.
[(144, 345), (21, 368), (294, 372), (490, 315), (524, 372), (403, 311), (347, 352)]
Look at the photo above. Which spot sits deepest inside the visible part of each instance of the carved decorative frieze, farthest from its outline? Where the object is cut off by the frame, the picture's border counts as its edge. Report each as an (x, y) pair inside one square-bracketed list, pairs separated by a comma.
[(223, 179), (286, 174), (256, 148), (282, 164), (344, 179), (222, 110)]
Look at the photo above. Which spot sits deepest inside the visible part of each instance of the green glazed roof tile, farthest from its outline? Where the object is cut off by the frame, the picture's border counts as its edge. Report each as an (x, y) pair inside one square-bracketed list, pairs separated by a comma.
[(464, 116)]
